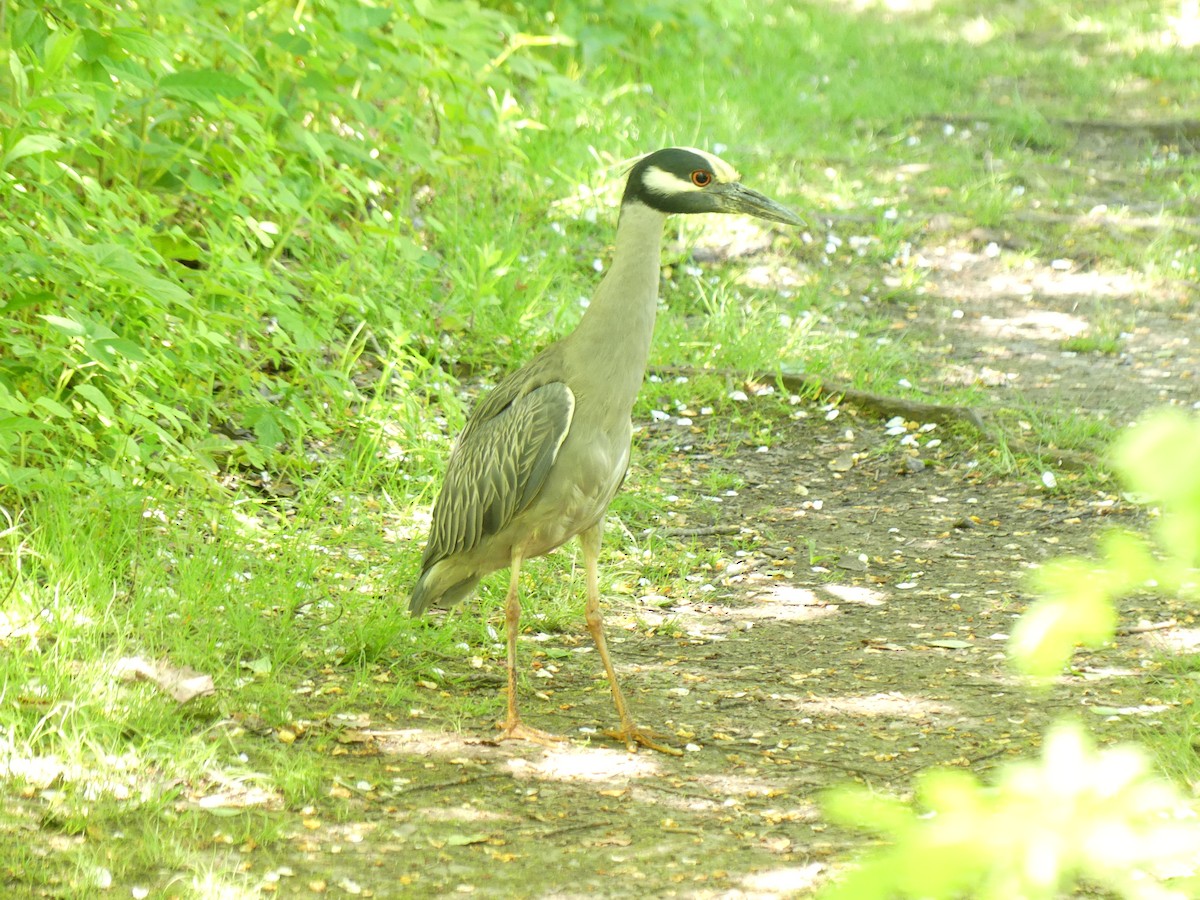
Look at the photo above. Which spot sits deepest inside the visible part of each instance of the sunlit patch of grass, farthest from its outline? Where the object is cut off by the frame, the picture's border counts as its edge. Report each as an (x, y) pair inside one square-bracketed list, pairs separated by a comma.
[(1174, 741), (271, 610), (1109, 344), (1067, 430), (717, 481)]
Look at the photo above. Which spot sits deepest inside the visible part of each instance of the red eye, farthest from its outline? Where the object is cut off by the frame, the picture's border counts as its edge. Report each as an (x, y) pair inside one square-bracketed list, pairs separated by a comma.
[(701, 178)]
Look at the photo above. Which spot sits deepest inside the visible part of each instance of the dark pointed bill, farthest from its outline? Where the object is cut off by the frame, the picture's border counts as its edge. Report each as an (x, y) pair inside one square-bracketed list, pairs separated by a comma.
[(737, 198)]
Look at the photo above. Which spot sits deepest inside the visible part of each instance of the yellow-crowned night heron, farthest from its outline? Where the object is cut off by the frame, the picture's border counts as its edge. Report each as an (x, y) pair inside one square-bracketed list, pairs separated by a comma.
[(544, 452)]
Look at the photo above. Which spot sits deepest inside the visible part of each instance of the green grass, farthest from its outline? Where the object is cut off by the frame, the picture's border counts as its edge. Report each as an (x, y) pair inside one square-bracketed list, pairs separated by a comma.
[(1093, 343), (163, 347), (1173, 741)]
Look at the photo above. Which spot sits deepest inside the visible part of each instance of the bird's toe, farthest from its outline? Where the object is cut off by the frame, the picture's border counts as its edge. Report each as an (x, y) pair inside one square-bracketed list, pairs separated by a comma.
[(519, 731), (632, 737)]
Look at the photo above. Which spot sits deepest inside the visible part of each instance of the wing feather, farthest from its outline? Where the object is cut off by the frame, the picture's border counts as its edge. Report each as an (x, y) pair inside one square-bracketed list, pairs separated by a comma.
[(499, 464)]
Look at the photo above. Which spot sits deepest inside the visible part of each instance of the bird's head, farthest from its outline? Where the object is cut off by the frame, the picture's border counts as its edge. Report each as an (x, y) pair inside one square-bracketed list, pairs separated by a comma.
[(686, 180)]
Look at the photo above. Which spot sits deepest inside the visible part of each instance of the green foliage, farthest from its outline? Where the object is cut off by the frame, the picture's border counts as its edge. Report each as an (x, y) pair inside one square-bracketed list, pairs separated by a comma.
[(186, 189), (1077, 605), (619, 31), (224, 226), (1076, 816), (1159, 462)]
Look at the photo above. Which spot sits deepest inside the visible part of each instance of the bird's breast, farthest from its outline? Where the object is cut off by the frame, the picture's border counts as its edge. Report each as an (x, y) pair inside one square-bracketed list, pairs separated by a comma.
[(587, 472)]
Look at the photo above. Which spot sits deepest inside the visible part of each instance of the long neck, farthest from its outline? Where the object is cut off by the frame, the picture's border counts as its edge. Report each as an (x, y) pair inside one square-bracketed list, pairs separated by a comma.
[(619, 322)]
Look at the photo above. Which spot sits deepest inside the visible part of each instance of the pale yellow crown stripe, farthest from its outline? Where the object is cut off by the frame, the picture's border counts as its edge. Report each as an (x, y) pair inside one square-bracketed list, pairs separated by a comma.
[(665, 183)]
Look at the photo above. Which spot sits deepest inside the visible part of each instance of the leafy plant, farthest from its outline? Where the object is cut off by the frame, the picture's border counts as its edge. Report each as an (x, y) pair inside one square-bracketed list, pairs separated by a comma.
[(184, 207), (1076, 815), (1159, 464)]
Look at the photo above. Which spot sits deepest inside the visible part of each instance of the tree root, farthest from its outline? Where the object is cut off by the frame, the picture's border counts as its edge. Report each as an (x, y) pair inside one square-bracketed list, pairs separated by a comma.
[(698, 531), (911, 410)]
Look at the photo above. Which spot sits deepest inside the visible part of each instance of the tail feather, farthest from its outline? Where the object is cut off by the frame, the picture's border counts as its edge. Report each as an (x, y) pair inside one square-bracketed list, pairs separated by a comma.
[(430, 592)]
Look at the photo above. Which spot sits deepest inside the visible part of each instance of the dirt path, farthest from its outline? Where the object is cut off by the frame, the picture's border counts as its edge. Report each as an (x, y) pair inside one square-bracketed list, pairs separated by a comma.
[(1004, 327)]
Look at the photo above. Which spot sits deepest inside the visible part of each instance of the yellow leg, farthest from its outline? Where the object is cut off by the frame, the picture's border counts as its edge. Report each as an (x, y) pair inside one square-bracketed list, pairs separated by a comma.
[(629, 732), (513, 728)]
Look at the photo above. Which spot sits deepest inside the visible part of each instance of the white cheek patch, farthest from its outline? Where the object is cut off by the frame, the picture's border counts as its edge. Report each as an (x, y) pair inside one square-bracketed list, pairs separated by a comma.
[(665, 184)]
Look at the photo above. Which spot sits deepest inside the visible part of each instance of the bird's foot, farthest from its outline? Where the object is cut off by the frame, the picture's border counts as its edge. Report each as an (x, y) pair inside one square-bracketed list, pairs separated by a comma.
[(632, 736), (516, 730)]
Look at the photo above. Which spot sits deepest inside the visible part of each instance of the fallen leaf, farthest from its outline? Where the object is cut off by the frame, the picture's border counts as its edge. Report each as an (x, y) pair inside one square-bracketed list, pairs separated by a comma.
[(777, 844), (180, 682), (842, 463), (852, 563), (614, 840), (463, 840), (260, 666)]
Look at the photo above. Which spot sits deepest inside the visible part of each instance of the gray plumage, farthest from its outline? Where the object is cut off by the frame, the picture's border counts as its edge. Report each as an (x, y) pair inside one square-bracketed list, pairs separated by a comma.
[(543, 453)]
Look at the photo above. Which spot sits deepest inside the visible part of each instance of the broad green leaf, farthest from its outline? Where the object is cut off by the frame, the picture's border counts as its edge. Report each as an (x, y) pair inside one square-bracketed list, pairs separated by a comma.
[(53, 407), (59, 46), (1159, 457), (172, 246), (21, 300), (13, 402), (297, 329), (265, 422), (260, 666), (31, 145), (20, 79), (1128, 557), (65, 325), (202, 85), (1045, 636), (465, 840), (138, 42), (97, 398), (128, 70), (357, 17), (22, 478), (150, 429), (854, 805), (110, 476), (103, 100), (118, 261), (309, 140), (95, 45), (290, 42), (22, 425)]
